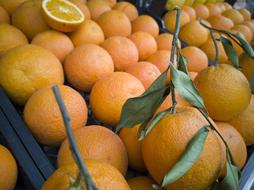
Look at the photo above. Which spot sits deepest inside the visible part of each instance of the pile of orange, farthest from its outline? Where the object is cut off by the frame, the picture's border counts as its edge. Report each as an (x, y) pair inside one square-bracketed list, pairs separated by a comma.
[(106, 50)]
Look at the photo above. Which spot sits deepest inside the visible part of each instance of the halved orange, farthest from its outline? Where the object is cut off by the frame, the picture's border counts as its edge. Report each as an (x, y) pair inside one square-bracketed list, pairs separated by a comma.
[(62, 15)]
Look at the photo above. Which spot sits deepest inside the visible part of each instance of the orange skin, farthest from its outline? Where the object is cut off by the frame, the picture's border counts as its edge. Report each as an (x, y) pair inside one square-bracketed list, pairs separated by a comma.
[(109, 94), (246, 14), (245, 30), (190, 11), (114, 23), (145, 23), (234, 15), (97, 8), (213, 9), (247, 65), (202, 11), (10, 6), (44, 119), (164, 41), (87, 64), (122, 50), (100, 144), (221, 22), (129, 9), (145, 71), (250, 25), (4, 17), (146, 44), (141, 183), (83, 7)]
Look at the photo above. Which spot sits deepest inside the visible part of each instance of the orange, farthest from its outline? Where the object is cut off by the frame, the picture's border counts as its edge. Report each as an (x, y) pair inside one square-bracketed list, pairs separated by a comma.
[(141, 183), (239, 49), (145, 71), (190, 11), (115, 23), (250, 25), (245, 13), (10, 6), (145, 23), (109, 94), (174, 132), (8, 168), (56, 42), (223, 100), (197, 59), (247, 65), (44, 119), (234, 15), (227, 5), (220, 22), (10, 37), (111, 3), (62, 15), (86, 64), (201, 10), (145, 43), (164, 41), (27, 68), (104, 175), (133, 147), (194, 34), (214, 9), (99, 143), (235, 142), (170, 20), (97, 8), (222, 7), (167, 103), (28, 18), (245, 30), (129, 9), (4, 17), (88, 32), (244, 123), (122, 50), (83, 7), (193, 75), (209, 48)]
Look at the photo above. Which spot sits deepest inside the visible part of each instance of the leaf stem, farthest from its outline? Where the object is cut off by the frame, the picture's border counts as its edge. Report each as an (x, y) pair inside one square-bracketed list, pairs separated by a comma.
[(90, 185), (172, 56), (216, 48)]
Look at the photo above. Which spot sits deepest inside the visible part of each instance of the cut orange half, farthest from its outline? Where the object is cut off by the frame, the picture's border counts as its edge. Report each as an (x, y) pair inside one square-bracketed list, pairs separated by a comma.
[(62, 15)]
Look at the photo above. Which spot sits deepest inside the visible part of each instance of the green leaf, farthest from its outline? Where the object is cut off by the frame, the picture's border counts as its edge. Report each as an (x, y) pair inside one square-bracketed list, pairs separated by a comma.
[(231, 181), (186, 88), (216, 186), (183, 64), (230, 51), (144, 131), (139, 109), (77, 184), (187, 160), (252, 83), (244, 44)]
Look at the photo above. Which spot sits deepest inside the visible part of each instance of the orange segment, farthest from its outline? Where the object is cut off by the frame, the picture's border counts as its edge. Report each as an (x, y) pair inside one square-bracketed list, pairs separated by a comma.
[(62, 15)]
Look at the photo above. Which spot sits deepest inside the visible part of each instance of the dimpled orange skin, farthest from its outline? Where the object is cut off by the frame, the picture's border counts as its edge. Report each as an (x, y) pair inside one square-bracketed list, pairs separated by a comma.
[(133, 147), (122, 50), (8, 168), (250, 25), (88, 32), (247, 65), (213, 9), (129, 9), (145, 43), (56, 42), (234, 15), (99, 143), (145, 71), (44, 119), (141, 183), (145, 23), (10, 6), (83, 7), (175, 131), (109, 94), (164, 41), (221, 22), (105, 176), (4, 17), (246, 14), (190, 11), (114, 23), (86, 64), (245, 30), (27, 68), (244, 123), (194, 34), (97, 8), (235, 142), (223, 100), (202, 11)]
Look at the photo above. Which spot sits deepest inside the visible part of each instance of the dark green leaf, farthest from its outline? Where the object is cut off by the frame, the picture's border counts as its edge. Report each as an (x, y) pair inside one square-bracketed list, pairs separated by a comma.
[(183, 64), (216, 186), (252, 83), (139, 109), (187, 160), (144, 132), (231, 181), (244, 44), (230, 51), (186, 88)]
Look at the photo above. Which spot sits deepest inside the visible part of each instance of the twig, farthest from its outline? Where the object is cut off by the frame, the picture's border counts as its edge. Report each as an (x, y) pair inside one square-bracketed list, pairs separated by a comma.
[(90, 185), (216, 48)]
